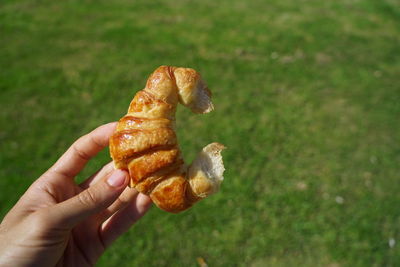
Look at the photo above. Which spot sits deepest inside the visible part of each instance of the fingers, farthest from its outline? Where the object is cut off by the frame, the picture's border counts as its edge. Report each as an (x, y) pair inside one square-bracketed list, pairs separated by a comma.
[(120, 222), (126, 198), (76, 157), (103, 171), (90, 201)]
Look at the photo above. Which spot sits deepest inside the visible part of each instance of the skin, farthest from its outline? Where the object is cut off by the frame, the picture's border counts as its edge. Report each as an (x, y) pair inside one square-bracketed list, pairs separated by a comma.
[(60, 223)]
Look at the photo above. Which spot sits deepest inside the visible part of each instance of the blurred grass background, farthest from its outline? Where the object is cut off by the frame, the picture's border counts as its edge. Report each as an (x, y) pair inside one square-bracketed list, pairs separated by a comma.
[(307, 100)]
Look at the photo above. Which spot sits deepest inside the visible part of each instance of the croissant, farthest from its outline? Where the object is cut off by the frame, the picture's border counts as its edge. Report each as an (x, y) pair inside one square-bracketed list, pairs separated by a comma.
[(145, 143)]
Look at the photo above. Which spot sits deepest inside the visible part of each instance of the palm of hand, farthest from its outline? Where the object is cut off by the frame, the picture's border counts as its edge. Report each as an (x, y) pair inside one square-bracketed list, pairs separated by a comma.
[(58, 222), (80, 246)]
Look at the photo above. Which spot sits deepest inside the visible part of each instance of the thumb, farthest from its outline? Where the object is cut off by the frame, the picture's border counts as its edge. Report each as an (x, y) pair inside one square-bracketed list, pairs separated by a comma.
[(90, 201)]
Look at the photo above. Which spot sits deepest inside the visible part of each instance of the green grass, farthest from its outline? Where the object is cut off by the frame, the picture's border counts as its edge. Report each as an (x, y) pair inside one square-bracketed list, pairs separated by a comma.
[(307, 100)]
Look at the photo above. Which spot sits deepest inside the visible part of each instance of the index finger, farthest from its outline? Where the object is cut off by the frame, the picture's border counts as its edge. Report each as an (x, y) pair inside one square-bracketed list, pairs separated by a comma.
[(82, 150)]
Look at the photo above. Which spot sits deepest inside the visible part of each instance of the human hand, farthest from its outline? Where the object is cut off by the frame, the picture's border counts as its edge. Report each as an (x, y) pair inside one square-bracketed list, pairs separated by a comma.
[(58, 222)]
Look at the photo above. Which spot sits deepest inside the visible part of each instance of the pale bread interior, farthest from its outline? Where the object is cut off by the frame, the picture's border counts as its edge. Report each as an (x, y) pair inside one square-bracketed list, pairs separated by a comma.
[(211, 163), (202, 99), (206, 171)]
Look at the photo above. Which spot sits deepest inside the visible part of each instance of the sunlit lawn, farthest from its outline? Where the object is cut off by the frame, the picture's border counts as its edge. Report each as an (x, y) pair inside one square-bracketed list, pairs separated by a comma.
[(307, 98)]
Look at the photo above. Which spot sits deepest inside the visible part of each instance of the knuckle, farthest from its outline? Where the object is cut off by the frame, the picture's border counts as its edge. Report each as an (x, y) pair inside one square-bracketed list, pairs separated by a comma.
[(80, 152), (97, 142), (87, 198)]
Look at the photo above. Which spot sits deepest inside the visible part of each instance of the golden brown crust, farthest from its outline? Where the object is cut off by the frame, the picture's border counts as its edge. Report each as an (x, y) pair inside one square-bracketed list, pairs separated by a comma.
[(170, 194), (151, 162), (128, 143), (145, 142), (130, 122), (147, 185), (147, 105)]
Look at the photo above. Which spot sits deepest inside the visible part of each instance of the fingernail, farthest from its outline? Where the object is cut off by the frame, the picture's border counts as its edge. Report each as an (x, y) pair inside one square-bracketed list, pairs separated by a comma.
[(117, 178)]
